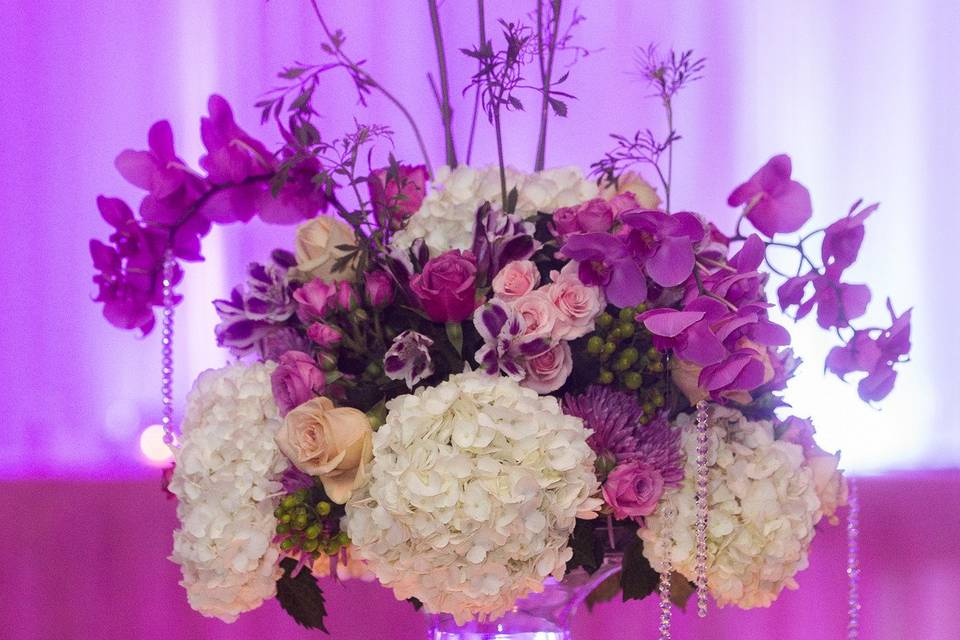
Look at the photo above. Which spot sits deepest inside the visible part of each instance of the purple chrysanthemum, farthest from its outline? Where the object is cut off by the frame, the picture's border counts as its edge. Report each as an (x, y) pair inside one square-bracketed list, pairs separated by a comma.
[(619, 436)]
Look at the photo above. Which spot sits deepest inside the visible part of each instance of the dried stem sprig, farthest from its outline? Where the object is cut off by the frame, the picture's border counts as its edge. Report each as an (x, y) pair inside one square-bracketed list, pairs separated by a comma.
[(668, 75)]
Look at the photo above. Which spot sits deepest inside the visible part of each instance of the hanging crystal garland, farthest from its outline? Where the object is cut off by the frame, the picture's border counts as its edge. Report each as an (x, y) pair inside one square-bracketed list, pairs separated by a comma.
[(166, 349), (702, 509), (666, 613), (853, 561)]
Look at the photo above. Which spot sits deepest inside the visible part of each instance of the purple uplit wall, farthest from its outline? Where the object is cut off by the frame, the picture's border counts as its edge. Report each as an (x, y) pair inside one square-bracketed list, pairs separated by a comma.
[(862, 94)]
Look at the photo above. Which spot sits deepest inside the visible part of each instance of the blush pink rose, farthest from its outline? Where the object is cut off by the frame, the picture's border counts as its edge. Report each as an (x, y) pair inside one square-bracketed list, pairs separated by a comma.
[(548, 371), (578, 303), (518, 278), (541, 316), (633, 490)]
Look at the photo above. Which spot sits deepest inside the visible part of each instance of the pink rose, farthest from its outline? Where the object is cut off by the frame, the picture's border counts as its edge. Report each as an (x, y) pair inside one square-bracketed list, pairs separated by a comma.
[(623, 202), (518, 278), (447, 286), (346, 296), (633, 490), (397, 197), (296, 380), (541, 317), (379, 288), (549, 371), (324, 335), (334, 444), (315, 298), (579, 304), (592, 215)]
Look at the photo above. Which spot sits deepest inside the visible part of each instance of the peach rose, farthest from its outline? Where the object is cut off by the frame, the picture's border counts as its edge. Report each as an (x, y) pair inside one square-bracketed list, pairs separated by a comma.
[(631, 182), (334, 444), (580, 304), (549, 371), (316, 251), (518, 278)]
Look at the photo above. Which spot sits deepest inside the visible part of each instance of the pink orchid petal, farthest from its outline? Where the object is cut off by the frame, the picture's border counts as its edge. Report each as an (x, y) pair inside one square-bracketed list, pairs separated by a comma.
[(669, 323)]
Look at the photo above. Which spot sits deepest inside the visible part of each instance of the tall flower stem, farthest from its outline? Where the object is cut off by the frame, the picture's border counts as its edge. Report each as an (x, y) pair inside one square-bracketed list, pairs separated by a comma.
[(369, 80), (668, 107), (476, 98), (446, 113), (503, 170), (546, 70)]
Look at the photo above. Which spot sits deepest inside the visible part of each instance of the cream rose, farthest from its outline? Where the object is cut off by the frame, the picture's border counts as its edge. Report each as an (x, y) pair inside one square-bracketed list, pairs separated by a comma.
[(331, 443), (631, 182), (317, 242)]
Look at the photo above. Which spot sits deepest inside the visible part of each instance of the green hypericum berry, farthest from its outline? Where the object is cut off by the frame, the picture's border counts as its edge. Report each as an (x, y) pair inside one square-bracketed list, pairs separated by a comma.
[(300, 523), (630, 354), (632, 380), (287, 544), (323, 508), (289, 502), (626, 329), (278, 512), (657, 399), (621, 364), (595, 345), (628, 314), (283, 528), (605, 377), (310, 546), (648, 408), (656, 367), (641, 307), (286, 518), (343, 538), (616, 335), (604, 320), (373, 369), (312, 532), (301, 495), (609, 348)]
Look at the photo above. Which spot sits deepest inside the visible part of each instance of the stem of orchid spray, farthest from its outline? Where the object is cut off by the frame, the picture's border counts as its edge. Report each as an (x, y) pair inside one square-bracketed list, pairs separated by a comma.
[(546, 70), (346, 61), (446, 113)]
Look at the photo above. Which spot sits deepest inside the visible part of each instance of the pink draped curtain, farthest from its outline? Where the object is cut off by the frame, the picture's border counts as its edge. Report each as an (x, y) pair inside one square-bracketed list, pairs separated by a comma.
[(862, 94)]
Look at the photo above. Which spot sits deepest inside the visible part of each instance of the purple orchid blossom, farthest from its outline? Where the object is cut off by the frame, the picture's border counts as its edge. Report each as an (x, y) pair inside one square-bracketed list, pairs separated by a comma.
[(875, 356), (651, 244), (505, 348), (774, 202), (498, 239)]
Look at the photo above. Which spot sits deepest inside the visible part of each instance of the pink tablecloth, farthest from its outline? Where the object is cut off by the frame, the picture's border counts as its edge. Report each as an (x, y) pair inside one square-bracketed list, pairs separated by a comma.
[(87, 560)]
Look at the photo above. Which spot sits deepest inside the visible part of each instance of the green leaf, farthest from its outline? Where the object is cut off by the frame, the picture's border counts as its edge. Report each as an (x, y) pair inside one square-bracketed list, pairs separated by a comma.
[(680, 590), (587, 551), (301, 597), (455, 336), (639, 579), (605, 591)]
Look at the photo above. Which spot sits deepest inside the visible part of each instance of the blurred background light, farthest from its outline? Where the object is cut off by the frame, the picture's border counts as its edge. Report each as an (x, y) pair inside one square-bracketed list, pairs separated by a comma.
[(153, 447)]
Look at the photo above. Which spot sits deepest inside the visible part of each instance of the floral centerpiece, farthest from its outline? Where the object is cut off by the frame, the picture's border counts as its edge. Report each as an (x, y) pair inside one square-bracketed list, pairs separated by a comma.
[(464, 382)]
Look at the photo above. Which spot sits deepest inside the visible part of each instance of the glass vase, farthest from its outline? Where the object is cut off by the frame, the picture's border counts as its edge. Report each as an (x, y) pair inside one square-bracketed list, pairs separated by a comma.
[(540, 616)]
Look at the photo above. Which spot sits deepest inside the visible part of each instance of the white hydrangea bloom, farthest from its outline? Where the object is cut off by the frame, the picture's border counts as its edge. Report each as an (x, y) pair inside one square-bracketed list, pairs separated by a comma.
[(763, 507), (475, 488), (228, 468), (447, 215)]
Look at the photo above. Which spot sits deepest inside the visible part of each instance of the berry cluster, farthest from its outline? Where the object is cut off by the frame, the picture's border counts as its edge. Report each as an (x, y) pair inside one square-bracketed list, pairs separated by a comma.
[(629, 359), (308, 523)]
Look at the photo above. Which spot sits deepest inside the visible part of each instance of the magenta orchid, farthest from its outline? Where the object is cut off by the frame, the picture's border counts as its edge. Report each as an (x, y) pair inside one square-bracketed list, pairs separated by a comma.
[(774, 202)]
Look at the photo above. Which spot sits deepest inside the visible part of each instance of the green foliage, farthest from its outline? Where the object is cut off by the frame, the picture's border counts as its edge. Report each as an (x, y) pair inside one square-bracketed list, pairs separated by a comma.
[(301, 596), (638, 579)]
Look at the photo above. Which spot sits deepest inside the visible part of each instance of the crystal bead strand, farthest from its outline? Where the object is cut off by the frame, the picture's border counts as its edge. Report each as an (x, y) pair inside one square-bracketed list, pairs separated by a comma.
[(853, 562), (702, 511), (666, 613), (166, 349)]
